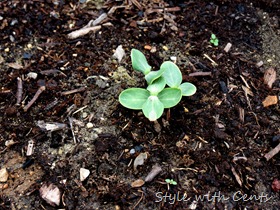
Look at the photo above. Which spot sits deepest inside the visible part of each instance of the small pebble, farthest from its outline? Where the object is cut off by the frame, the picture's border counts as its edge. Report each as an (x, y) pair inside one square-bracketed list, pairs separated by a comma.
[(173, 58), (89, 125), (132, 151), (32, 75), (84, 173), (84, 114), (165, 48)]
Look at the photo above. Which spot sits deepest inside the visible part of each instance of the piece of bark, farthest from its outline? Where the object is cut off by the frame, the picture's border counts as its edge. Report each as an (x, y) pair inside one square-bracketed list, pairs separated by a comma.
[(19, 91), (269, 77), (153, 173), (270, 100)]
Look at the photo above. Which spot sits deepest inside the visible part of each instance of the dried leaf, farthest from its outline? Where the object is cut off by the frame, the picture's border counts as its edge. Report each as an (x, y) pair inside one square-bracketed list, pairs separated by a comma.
[(140, 159), (247, 90), (138, 183), (15, 65), (269, 77), (270, 100)]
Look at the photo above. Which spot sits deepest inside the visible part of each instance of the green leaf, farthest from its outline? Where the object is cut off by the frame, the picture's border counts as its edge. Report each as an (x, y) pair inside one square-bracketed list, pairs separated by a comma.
[(156, 86), (173, 182), (213, 37), (187, 88), (153, 75), (216, 43), (139, 62), (172, 74), (134, 98), (167, 181), (170, 97), (153, 108)]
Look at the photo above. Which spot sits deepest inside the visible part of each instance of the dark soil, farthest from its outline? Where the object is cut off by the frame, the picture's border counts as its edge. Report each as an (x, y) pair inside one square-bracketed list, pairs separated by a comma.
[(212, 144)]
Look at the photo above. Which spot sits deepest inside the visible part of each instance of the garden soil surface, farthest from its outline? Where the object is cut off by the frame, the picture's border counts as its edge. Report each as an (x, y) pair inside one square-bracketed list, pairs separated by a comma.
[(214, 144)]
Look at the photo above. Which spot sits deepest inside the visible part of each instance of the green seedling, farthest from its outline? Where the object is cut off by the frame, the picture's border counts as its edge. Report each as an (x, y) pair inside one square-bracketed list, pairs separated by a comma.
[(170, 181), (165, 88), (214, 40)]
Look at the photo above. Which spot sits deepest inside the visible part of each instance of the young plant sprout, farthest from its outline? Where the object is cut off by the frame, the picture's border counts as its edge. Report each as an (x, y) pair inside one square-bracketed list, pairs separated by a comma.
[(214, 40), (156, 97), (170, 182)]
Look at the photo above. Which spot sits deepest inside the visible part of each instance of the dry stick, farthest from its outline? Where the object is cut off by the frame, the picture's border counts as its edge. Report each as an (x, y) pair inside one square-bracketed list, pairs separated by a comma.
[(81, 89), (19, 91), (272, 152), (71, 127), (237, 177), (39, 91), (83, 31), (200, 73), (5, 91)]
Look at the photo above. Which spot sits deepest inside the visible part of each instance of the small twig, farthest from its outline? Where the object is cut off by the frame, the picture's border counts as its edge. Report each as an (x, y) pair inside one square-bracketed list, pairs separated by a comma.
[(200, 73), (19, 91), (139, 200), (170, 9), (37, 94), (272, 152), (82, 108), (241, 114), (5, 91), (81, 89), (71, 127), (237, 177), (210, 59), (83, 31)]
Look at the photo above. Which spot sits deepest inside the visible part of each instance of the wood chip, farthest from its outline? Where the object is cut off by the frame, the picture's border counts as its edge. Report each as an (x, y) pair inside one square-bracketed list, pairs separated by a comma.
[(227, 47), (259, 64), (147, 47), (270, 100), (153, 173), (273, 152), (4, 175), (138, 183), (119, 53), (269, 77), (51, 194)]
